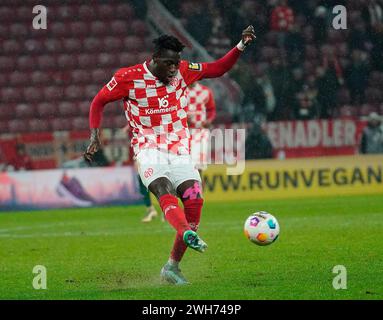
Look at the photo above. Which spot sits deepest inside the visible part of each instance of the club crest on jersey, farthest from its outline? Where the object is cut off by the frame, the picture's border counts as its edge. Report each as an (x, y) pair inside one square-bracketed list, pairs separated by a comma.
[(163, 102), (175, 82), (195, 66), (111, 84)]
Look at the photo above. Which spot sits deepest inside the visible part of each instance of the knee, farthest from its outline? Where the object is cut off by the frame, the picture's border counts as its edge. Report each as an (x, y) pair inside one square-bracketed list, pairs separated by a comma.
[(191, 191), (161, 187)]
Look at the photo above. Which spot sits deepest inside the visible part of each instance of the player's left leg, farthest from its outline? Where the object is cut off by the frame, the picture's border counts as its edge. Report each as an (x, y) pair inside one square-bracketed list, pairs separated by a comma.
[(191, 196)]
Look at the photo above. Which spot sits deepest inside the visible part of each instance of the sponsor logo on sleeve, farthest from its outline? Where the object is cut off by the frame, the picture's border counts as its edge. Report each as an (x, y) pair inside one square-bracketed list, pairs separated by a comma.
[(195, 66), (111, 84)]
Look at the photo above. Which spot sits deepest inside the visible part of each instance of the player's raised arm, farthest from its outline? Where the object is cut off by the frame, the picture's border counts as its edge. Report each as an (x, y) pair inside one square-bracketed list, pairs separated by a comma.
[(215, 69), (112, 91)]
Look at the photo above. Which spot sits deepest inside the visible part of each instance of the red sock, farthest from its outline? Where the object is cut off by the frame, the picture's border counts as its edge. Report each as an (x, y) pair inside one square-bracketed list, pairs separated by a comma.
[(193, 210), (173, 213)]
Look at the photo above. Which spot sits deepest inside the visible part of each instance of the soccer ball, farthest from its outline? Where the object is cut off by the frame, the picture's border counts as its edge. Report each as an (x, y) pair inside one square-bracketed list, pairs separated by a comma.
[(261, 228)]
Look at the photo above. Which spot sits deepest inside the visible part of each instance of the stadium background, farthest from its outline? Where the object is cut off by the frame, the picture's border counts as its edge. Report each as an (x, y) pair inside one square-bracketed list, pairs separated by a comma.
[(302, 90)]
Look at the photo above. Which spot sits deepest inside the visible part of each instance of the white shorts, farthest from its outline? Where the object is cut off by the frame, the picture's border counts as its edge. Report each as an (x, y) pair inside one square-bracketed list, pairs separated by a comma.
[(153, 164), (199, 145)]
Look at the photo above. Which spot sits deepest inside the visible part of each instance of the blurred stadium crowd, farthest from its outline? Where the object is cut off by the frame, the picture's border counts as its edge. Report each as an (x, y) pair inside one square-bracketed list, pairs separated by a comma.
[(301, 67)]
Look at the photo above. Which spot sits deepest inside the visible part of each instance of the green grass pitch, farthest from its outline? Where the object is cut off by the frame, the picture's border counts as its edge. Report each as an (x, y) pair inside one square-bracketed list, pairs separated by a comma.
[(107, 253)]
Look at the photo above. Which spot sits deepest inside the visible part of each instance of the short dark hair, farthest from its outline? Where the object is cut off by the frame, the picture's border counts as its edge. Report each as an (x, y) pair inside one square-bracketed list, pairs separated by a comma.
[(166, 42)]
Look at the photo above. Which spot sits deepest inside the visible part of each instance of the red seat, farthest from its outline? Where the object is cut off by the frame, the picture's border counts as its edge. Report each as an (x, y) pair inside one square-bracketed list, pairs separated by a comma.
[(46, 62), (25, 63), (12, 47), (23, 13), (19, 78), (18, 126), (100, 76), (83, 107), (87, 61), (53, 45), (106, 60), (7, 64), (52, 93), (67, 109), (61, 77), (59, 124), (46, 109), (127, 59), (4, 80), (99, 28), (6, 14), (33, 94), (91, 90), (4, 128), (93, 45), (106, 12), (39, 125), (80, 123), (80, 76), (66, 61), (24, 110), (7, 111), (33, 46), (74, 92), (79, 29), (143, 56), (40, 78), (112, 44), (134, 44), (72, 45), (119, 27), (86, 13), (4, 31), (65, 13), (10, 95), (124, 11), (59, 29)]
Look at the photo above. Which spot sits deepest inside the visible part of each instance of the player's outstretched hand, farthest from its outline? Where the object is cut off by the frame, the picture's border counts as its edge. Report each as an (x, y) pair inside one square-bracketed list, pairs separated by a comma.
[(248, 35), (93, 147)]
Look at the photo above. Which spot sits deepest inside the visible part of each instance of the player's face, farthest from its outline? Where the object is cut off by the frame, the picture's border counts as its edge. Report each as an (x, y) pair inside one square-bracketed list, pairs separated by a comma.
[(166, 65)]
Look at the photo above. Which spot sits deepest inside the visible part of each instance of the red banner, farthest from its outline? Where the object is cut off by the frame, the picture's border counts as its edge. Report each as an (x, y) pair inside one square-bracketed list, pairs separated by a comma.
[(314, 138)]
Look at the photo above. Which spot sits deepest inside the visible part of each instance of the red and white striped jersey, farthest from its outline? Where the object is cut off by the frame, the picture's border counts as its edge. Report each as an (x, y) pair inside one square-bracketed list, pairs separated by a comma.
[(155, 112), (201, 105)]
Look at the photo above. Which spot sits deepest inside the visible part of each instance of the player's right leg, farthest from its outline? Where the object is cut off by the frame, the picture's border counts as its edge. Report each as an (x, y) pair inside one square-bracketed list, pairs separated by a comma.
[(162, 188)]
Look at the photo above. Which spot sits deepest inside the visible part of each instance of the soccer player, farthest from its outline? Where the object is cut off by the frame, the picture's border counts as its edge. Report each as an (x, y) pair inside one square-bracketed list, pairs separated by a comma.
[(154, 101), (201, 113)]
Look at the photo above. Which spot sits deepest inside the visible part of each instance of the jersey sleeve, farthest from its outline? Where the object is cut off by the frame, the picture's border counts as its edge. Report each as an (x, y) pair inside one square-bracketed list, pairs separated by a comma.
[(193, 72), (116, 89)]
